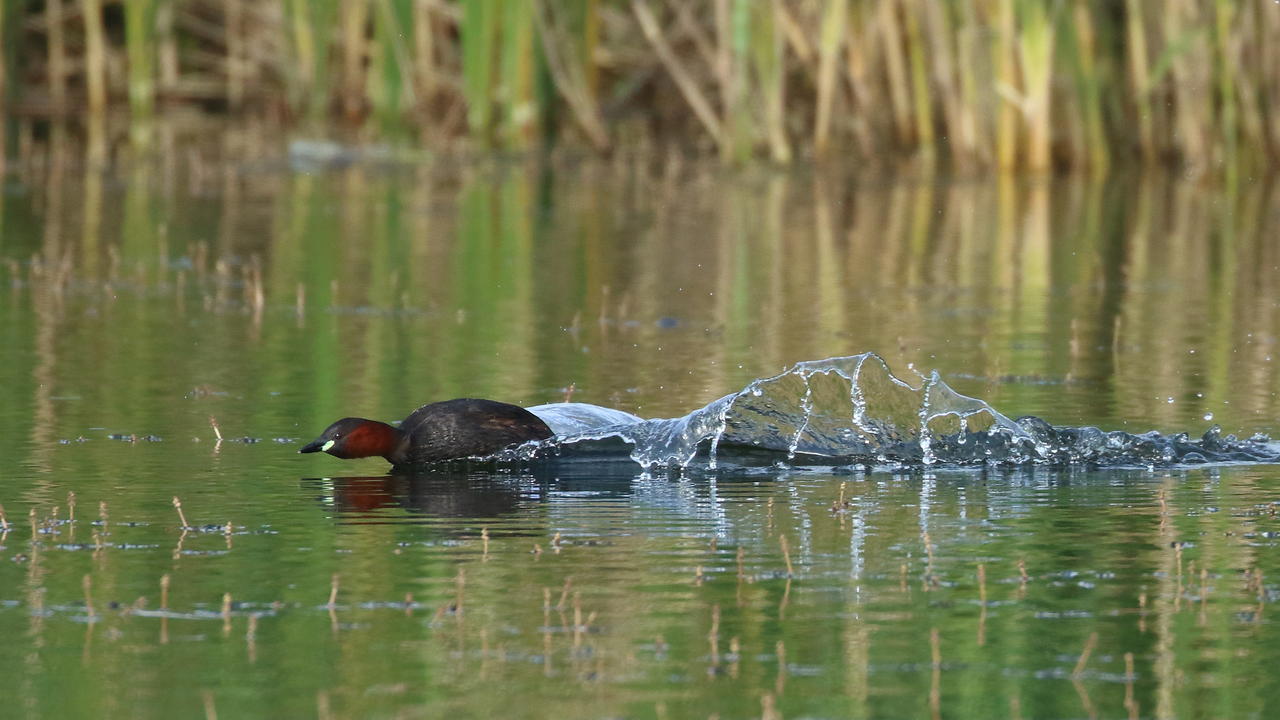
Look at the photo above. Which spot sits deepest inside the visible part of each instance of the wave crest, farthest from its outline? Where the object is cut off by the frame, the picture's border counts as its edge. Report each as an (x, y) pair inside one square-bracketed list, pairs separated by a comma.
[(855, 410)]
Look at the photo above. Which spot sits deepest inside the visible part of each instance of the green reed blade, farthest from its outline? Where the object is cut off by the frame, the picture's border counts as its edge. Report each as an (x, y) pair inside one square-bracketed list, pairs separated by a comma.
[(1006, 78), (8, 55), (974, 73), (392, 89), (1081, 47), (1037, 46), (737, 111), (479, 38), (590, 34), (831, 32), (1187, 52), (95, 56), (1140, 75), (314, 34), (515, 83), (1223, 15), (768, 56), (299, 75), (139, 18), (920, 82)]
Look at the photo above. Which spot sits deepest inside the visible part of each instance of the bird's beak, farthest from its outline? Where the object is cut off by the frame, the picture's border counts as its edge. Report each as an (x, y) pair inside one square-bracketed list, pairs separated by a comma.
[(317, 445)]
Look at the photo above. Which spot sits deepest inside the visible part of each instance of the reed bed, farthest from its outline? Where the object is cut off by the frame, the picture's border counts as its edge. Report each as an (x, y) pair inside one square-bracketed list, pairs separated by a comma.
[(1008, 84)]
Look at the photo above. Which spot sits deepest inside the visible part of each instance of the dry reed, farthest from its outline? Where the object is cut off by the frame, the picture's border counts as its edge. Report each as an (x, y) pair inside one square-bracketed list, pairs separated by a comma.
[(1084, 655), (769, 707), (713, 635), (177, 505), (87, 584), (251, 638), (1130, 703), (1015, 84), (164, 606), (935, 685), (323, 709), (210, 710)]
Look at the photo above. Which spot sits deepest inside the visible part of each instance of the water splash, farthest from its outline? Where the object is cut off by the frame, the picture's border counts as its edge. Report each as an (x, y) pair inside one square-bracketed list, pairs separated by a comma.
[(855, 410)]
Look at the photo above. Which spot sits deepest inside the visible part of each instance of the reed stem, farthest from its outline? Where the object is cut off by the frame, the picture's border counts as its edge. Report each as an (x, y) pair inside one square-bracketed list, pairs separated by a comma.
[(87, 584), (139, 29), (1139, 73), (355, 46), (1006, 79), (832, 32), (1084, 655), (769, 54), (177, 504), (5, 45), (1037, 46), (95, 56), (479, 40), (56, 54), (1014, 84)]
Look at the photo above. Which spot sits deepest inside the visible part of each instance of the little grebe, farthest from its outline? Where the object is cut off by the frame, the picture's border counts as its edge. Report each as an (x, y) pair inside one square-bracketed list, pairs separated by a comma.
[(440, 431)]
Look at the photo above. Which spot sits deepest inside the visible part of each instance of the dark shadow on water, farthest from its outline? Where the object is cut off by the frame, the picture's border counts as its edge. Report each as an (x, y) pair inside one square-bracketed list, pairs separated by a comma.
[(466, 490), (359, 499)]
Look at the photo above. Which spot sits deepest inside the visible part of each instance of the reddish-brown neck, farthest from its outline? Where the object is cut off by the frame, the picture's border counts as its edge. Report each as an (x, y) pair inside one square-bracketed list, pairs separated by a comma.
[(371, 438)]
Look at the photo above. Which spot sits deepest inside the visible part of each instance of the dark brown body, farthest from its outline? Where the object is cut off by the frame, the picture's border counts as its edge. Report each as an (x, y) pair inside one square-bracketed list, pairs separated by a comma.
[(464, 428), (448, 430)]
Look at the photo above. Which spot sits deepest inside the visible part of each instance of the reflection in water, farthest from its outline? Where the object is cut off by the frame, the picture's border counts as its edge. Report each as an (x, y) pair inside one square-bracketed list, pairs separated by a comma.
[(561, 487), (274, 302), (1142, 300), (443, 495), (982, 586)]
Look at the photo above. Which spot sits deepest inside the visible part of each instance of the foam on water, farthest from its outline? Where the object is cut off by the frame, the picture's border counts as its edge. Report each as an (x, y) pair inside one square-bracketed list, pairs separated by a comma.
[(855, 410)]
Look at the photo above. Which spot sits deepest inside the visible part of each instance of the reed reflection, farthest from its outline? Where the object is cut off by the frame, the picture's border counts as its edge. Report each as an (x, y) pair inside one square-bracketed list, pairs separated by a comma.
[(1053, 297)]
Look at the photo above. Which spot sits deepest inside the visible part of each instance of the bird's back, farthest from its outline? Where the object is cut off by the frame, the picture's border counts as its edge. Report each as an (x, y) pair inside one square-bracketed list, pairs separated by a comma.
[(468, 427)]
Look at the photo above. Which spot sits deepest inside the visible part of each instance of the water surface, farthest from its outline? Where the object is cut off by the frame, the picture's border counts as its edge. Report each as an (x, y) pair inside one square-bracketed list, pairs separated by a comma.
[(137, 307)]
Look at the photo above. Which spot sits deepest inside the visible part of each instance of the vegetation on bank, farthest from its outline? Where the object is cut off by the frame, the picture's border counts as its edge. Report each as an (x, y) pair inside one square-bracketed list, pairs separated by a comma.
[(1010, 84)]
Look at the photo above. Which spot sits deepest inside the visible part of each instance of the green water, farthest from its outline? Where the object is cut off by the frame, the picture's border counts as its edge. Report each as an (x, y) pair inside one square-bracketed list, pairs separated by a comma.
[(141, 306)]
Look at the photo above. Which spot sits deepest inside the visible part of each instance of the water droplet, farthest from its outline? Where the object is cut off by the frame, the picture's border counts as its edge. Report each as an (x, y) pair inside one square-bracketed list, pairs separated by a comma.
[(1169, 400), (1208, 416)]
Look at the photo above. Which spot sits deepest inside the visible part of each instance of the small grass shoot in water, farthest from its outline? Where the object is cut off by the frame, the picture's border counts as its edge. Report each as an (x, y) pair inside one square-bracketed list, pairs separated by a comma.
[(177, 504)]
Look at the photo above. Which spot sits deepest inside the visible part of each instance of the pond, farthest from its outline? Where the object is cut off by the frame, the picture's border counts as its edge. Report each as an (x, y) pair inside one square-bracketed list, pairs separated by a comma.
[(173, 333)]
